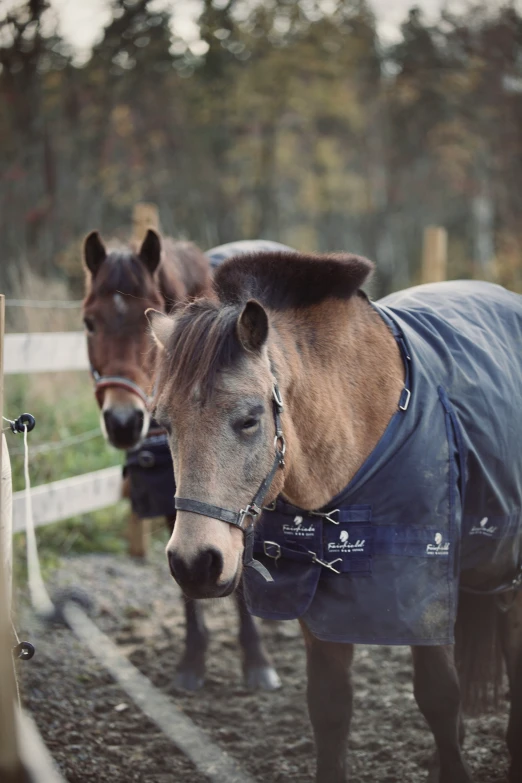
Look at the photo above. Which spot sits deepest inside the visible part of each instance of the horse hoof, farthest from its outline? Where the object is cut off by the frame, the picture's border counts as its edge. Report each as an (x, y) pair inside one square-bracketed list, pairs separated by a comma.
[(188, 681), (263, 678)]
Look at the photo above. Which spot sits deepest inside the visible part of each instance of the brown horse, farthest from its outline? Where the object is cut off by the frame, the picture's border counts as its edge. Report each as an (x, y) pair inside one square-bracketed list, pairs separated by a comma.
[(297, 330), (120, 286)]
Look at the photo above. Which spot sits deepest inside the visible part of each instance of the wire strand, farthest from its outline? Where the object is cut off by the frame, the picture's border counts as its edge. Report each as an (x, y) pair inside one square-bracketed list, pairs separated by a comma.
[(70, 304), (73, 440)]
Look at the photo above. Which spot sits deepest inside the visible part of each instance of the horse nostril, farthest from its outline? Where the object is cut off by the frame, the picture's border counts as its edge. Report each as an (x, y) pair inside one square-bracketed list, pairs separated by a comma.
[(177, 569), (212, 562), (138, 422)]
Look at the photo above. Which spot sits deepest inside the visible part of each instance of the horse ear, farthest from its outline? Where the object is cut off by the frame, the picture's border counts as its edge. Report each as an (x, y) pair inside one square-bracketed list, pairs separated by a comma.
[(150, 251), (252, 326), (94, 252), (161, 326)]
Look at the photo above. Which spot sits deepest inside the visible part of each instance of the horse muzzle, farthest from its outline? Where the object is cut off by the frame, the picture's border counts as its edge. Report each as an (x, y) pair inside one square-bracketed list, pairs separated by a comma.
[(201, 577), (125, 426)]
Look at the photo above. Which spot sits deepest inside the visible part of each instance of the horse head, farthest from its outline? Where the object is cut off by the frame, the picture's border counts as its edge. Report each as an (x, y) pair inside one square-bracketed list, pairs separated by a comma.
[(121, 285)]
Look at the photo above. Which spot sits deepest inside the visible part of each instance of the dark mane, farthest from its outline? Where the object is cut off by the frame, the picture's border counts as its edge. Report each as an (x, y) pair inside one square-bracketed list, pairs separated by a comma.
[(122, 273), (204, 341), (290, 280)]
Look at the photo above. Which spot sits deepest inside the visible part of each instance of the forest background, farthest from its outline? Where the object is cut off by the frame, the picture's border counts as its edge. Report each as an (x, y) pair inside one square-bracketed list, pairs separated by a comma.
[(291, 121)]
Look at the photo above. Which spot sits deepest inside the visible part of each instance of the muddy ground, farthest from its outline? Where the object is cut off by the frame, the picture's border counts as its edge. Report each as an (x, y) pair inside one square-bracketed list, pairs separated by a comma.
[(96, 734)]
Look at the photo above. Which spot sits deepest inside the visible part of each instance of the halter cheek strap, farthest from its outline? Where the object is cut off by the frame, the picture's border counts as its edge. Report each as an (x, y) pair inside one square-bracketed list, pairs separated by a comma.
[(246, 518)]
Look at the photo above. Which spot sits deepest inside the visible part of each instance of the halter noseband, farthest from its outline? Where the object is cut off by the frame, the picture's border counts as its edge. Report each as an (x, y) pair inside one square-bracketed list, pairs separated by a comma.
[(245, 519), (102, 382)]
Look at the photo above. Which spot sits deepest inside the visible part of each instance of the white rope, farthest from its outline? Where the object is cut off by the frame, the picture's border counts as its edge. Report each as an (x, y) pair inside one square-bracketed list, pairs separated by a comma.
[(39, 595)]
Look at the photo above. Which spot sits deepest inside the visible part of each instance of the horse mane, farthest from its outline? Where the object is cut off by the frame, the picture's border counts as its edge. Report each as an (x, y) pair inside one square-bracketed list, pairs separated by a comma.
[(285, 280), (204, 339)]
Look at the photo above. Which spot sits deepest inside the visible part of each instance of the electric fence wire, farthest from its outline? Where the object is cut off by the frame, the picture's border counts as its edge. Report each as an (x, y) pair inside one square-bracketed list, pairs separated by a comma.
[(63, 304), (73, 440)]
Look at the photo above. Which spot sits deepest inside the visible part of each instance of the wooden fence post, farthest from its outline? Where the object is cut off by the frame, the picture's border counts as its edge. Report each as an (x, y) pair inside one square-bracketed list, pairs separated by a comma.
[(434, 254), (10, 765), (144, 216)]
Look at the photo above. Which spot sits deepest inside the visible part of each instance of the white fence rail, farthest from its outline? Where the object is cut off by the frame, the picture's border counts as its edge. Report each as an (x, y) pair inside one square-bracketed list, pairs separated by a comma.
[(45, 352)]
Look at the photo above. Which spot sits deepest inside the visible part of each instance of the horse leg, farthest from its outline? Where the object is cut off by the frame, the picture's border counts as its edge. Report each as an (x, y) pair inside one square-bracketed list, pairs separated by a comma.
[(511, 635), (138, 533), (258, 671), (437, 693), (329, 693), (190, 672)]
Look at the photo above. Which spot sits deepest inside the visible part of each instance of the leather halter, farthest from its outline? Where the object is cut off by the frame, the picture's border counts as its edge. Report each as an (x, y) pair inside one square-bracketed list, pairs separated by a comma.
[(246, 518), (102, 382)]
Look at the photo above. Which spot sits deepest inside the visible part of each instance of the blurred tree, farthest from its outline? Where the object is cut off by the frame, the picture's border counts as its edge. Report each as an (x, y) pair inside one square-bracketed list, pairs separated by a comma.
[(286, 119)]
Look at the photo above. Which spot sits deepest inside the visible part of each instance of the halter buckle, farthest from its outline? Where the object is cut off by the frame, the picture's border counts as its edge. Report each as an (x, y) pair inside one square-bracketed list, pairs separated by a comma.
[(280, 447), (252, 511), (276, 396)]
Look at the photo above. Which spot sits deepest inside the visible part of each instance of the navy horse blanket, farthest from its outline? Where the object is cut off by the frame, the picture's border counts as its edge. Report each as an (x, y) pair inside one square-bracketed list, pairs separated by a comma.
[(437, 503)]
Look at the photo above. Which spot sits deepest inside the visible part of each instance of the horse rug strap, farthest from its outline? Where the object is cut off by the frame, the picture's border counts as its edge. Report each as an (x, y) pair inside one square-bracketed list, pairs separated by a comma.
[(437, 503)]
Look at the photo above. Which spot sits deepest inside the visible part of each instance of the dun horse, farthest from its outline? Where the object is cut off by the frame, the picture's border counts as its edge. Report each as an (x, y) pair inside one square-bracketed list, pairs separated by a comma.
[(368, 455), (120, 286)]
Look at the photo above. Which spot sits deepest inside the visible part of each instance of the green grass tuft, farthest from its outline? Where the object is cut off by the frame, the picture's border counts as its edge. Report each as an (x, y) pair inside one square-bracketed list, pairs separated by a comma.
[(63, 405)]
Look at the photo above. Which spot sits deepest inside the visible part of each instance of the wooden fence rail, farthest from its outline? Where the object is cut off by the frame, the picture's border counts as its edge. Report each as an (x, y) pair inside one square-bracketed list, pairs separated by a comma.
[(69, 497), (45, 352)]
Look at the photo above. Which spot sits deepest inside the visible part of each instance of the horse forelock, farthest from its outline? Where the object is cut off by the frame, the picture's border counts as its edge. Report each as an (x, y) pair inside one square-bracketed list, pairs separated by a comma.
[(204, 342), (122, 273)]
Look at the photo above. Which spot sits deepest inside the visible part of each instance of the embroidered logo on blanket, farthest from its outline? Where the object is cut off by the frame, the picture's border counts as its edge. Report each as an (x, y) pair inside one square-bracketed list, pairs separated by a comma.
[(482, 529), (296, 529), (438, 548), (344, 545)]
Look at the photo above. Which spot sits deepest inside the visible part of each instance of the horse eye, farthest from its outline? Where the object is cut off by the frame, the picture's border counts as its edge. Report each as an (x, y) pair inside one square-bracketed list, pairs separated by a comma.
[(89, 325), (248, 425)]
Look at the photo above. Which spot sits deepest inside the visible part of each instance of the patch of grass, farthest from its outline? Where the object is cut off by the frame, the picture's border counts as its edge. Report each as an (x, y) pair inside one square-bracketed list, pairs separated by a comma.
[(63, 405)]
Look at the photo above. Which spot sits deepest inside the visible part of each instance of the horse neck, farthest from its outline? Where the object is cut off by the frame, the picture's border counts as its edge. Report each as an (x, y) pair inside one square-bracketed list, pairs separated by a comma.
[(342, 378)]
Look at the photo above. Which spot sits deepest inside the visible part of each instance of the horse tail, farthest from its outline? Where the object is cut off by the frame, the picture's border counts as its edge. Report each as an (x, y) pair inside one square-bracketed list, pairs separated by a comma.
[(478, 651)]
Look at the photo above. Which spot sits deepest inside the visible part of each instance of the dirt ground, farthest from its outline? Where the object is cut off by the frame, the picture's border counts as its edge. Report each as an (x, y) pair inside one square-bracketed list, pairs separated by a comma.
[(96, 734)]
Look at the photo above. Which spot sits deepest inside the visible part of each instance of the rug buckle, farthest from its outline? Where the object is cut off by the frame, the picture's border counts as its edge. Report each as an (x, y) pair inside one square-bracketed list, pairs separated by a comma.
[(272, 544)]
